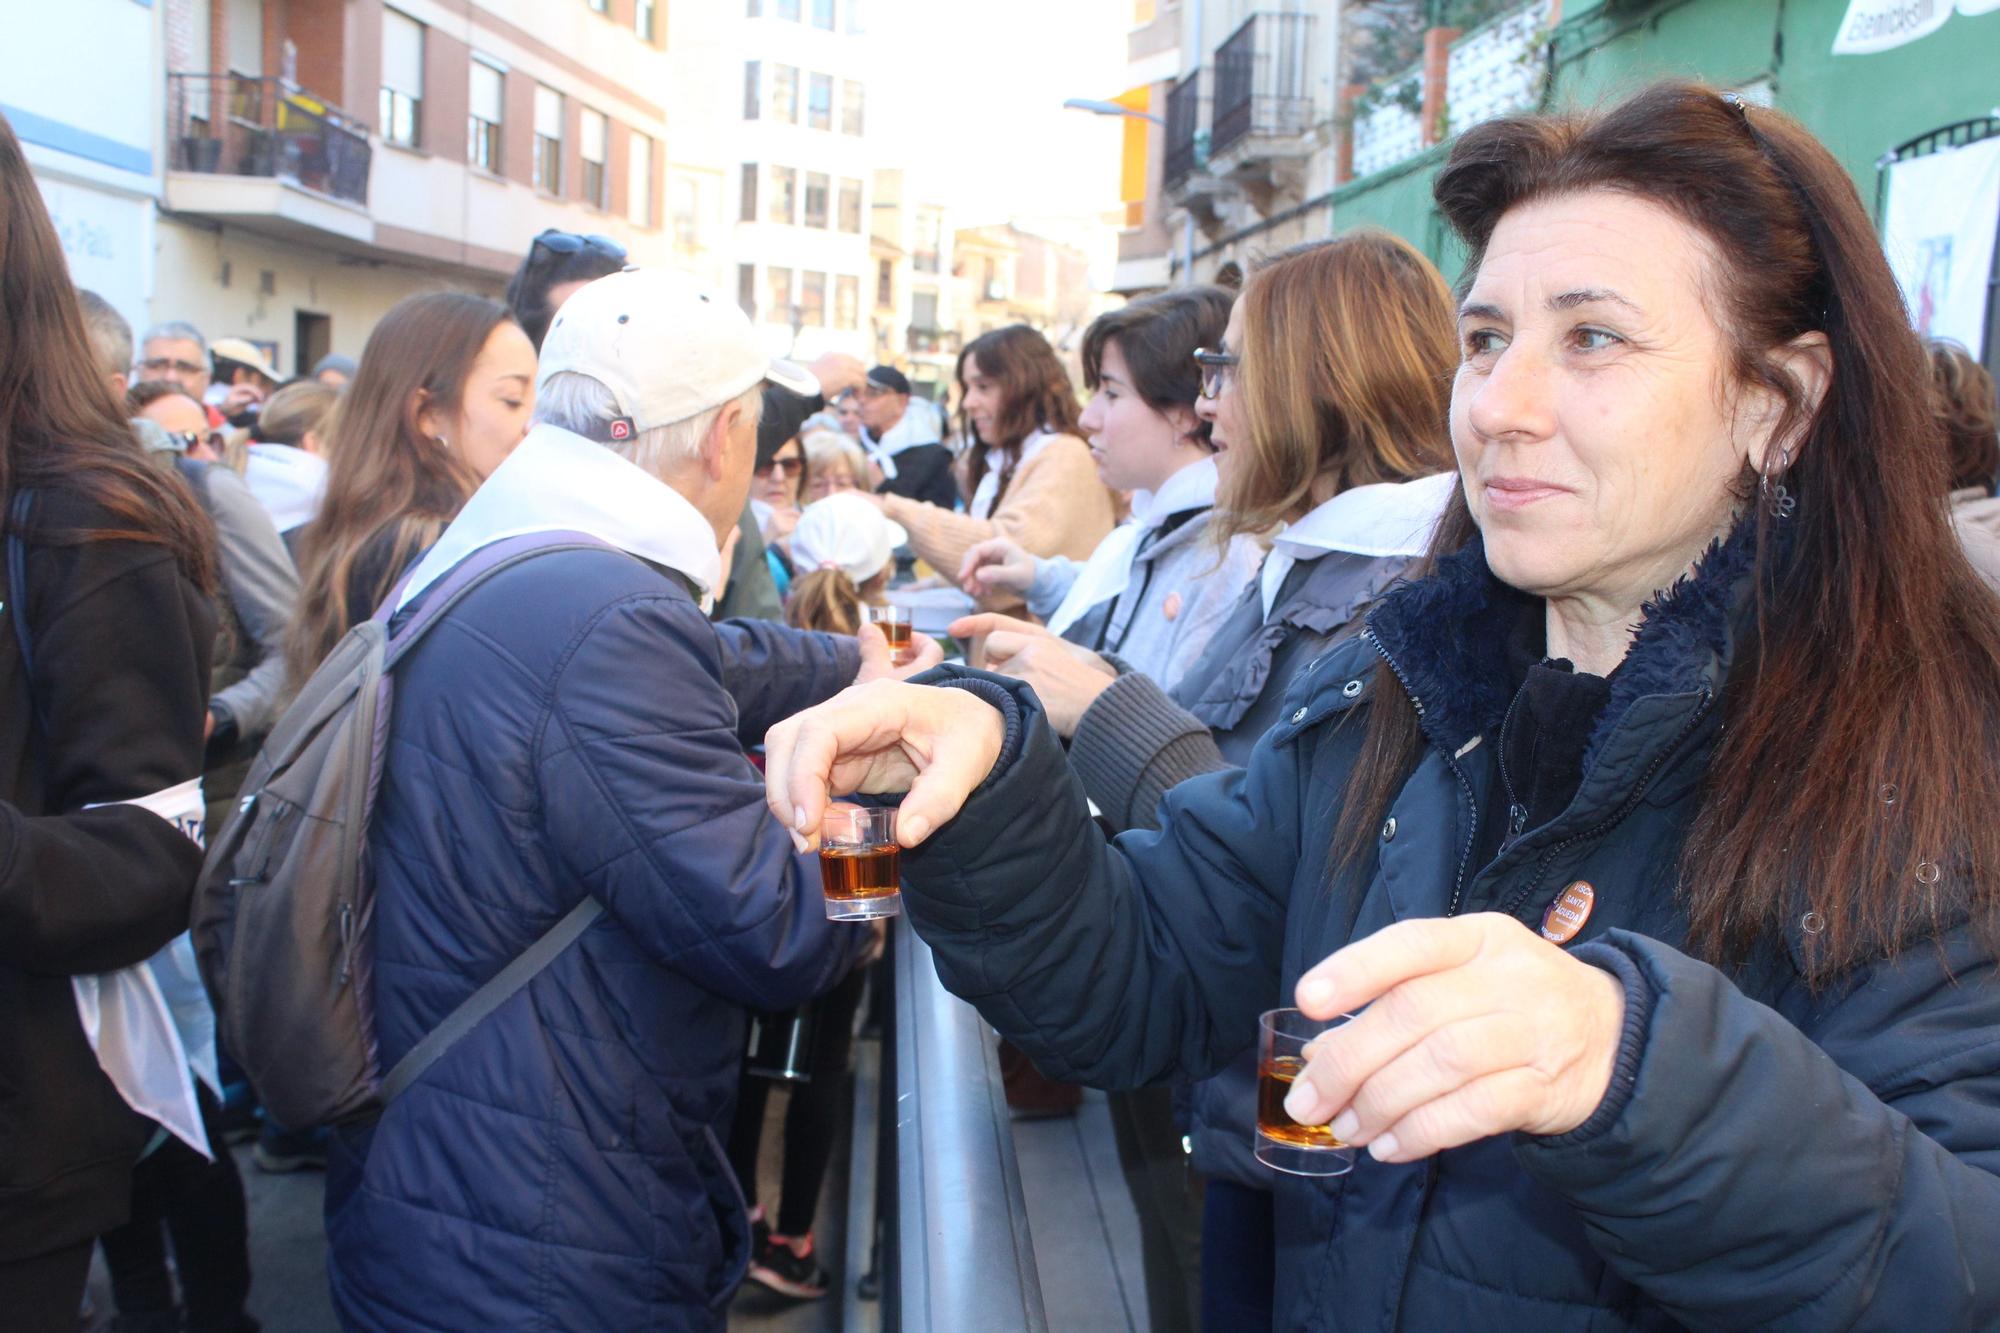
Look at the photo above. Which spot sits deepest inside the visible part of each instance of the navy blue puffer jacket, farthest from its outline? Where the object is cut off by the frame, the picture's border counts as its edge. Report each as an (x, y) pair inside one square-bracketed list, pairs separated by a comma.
[(574, 727), (1770, 1155)]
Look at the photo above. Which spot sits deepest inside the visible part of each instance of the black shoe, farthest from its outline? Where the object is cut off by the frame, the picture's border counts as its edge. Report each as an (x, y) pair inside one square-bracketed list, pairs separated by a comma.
[(774, 1265), (279, 1151)]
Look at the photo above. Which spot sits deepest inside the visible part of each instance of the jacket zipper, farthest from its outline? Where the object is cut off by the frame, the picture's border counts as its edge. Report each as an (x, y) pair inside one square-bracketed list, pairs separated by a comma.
[(1464, 783), (1611, 821)]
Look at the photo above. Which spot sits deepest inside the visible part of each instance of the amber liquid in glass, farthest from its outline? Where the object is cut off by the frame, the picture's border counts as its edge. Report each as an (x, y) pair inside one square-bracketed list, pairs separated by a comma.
[(1274, 1080), (853, 873), (897, 632)]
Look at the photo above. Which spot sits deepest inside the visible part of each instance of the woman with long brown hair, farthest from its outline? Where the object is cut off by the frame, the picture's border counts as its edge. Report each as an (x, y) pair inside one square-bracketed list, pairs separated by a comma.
[(446, 386), (1649, 837), (1029, 474), (104, 660)]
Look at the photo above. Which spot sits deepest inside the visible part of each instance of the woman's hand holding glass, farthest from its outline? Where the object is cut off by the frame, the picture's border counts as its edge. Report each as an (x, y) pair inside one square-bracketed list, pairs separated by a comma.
[(996, 565), (1474, 1026), (935, 744), (1067, 679)]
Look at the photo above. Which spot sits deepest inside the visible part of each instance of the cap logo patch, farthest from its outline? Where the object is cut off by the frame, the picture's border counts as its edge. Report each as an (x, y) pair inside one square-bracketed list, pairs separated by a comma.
[(621, 428)]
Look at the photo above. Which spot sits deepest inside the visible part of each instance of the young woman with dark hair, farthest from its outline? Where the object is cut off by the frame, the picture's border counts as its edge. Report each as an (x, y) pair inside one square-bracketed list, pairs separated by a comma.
[(446, 385), (557, 263), (104, 660), (1029, 474), (1649, 835)]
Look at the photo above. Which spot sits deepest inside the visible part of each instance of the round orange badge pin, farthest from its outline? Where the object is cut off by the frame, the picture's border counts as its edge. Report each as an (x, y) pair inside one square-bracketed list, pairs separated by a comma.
[(1568, 912)]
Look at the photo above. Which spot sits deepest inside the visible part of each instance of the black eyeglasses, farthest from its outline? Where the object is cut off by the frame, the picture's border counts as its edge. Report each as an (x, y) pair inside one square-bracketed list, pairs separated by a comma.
[(569, 243), (1217, 369)]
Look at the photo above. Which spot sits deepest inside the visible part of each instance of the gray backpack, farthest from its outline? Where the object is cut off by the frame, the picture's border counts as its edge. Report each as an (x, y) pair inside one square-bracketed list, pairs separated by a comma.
[(284, 909)]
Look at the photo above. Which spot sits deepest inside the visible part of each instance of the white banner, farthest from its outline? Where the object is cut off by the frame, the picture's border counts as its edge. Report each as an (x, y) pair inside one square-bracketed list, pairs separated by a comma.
[(1974, 8), (1938, 231), (1882, 25)]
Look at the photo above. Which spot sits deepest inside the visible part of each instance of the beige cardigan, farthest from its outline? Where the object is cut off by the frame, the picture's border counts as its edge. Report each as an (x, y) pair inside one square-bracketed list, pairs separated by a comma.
[(1056, 505)]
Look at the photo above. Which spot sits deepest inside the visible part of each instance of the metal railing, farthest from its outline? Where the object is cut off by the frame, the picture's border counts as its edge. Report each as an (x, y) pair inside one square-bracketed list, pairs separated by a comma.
[(1261, 83), (959, 1257), (234, 125), (1183, 153)]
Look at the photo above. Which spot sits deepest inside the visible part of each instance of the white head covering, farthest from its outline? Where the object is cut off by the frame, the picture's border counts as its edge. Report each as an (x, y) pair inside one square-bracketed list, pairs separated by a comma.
[(846, 532)]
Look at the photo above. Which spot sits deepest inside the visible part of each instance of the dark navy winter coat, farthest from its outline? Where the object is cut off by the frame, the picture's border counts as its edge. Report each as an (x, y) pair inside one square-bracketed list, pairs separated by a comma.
[(574, 727), (1768, 1156)]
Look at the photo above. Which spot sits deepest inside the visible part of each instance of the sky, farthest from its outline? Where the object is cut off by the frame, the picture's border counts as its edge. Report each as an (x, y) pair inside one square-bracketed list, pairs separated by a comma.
[(975, 88)]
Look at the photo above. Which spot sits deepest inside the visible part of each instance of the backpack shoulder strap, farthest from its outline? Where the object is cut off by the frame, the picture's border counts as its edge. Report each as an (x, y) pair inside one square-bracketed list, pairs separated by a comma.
[(465, 576), (489, 997)]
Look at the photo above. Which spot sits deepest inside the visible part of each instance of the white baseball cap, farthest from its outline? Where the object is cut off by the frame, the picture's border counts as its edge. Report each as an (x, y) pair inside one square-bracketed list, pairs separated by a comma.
[(666, 347), (846, 532)]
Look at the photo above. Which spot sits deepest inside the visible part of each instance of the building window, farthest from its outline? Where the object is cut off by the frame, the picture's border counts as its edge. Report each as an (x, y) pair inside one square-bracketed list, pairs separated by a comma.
[(748, 212), (847, 302), (817, 183), (778, 282), (753, 89), (923, 311), (788, 9), (755, 9), (852, 96), (885, 284), (402, 104), (812, 299), (746, 288), (488, 100), (929, 240), (595, 148), (639, 181), (643, 19), (548, 140), (600, 6), (819, 108), (823, 14), (686, 213), (784, 194), (785, 93), (850, 206)]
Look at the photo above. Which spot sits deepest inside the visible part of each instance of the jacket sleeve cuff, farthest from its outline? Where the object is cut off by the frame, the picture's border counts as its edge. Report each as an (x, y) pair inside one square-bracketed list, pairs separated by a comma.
[(1133, 743), (1053, 580), (993, 692), (1639, 998)]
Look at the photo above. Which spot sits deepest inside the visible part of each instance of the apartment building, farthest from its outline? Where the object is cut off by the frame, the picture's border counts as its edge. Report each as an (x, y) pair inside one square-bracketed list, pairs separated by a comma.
[(797, 152), (287, 170)]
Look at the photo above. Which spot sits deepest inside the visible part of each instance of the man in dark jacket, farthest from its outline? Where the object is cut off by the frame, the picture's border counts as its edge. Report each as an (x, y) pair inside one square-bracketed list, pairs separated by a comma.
[(903, 441), (575, 727)]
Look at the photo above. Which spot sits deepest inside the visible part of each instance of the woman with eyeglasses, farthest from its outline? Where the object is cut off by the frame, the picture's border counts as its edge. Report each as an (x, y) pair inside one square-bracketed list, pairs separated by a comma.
[(1029, 475), (557, 263), (1324, 400)]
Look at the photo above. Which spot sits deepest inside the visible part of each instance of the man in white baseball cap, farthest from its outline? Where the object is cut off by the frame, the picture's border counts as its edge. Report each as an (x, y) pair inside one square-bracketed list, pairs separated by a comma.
[(572, 731)]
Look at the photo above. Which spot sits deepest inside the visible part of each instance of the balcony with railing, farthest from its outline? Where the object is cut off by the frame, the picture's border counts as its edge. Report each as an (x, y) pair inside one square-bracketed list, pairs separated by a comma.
[(1263, 89), (1183, 153), (234, 125), (269, 156)]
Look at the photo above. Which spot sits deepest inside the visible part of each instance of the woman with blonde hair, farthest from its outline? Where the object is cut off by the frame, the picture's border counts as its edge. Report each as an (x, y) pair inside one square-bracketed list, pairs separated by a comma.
[(834, 463), (1029, 474), (446, 386), (285, 462)]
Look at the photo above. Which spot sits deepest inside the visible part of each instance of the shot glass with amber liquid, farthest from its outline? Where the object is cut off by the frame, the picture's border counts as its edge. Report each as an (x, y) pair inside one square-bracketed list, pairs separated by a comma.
[(860, 865), (894, 622), (1282, 1142)]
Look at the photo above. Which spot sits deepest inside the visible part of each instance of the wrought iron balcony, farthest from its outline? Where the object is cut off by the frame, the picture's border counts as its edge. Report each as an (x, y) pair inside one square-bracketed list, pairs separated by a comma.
[(1184, 149), (1262, 81), (231, 125)]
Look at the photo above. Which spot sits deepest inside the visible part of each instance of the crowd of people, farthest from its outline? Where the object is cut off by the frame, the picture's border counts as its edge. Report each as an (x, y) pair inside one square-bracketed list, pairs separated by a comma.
[(1589, 680)]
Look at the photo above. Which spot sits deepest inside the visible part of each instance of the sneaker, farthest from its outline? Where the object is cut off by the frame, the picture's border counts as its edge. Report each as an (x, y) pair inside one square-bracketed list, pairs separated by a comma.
[(787, 1271), (279, 1151)]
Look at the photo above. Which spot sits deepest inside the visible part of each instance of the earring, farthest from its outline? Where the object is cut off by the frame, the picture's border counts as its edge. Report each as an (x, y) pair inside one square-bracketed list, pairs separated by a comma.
[(442, 442), (1782, 502)]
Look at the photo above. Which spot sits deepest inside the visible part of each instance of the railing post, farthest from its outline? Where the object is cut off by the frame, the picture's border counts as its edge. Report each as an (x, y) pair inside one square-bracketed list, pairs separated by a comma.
[(1343, 148), (1437, 73)]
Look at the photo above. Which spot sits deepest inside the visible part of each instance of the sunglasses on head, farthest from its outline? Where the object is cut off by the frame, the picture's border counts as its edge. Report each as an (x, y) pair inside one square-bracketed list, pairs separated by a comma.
[(568, 243)]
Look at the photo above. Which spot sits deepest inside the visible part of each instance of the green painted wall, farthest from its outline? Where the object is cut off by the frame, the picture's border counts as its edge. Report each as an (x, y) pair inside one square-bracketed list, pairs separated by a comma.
[(1860, 106)]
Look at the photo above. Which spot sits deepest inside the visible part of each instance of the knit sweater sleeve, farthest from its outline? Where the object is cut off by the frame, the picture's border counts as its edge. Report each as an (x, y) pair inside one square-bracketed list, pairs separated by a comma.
[(1056, 505), (1133, 744)]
